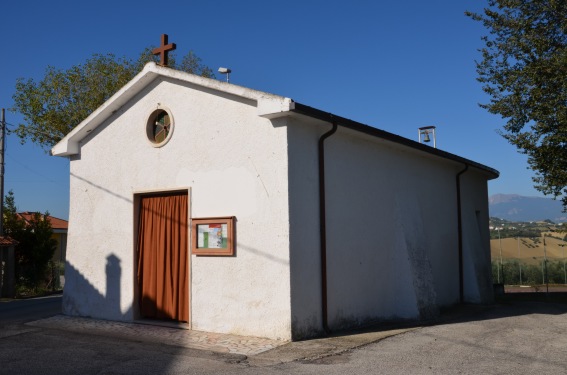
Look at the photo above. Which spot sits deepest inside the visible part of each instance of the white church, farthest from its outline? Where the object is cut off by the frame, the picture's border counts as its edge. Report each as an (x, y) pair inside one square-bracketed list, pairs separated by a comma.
[(231, 210)]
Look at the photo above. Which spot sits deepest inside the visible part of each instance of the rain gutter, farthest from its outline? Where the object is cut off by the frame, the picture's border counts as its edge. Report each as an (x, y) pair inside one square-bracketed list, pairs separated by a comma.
[(460, 235), (323, 228)]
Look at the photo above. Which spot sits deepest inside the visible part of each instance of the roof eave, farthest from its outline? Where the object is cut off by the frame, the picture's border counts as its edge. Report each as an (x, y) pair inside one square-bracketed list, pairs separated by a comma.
[(69, 145), (350, 124), (269, 105)]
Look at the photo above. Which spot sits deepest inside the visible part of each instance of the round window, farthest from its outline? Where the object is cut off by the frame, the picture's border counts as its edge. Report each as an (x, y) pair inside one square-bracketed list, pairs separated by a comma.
[(159, 127)]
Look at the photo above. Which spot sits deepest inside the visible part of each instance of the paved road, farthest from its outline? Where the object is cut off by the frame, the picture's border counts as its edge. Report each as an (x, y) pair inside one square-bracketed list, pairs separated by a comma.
[(21, 311), (522, 338), (518, 338)]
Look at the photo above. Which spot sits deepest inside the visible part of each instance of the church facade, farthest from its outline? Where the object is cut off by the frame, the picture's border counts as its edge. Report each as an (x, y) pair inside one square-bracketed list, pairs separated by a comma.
[(237, 211)]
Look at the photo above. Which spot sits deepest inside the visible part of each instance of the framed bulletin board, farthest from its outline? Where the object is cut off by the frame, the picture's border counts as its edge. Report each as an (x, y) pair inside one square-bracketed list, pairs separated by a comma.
[(213, 236)]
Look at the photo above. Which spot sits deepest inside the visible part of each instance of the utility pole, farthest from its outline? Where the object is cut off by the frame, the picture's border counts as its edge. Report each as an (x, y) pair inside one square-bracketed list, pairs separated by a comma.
[(564, 272), (545, 262), (519, 260), (2, 144), (501, 269)]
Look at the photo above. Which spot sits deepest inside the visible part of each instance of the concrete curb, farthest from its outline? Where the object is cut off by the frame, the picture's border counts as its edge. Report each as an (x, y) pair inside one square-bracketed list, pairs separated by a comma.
[(320, 348), (315, 349)]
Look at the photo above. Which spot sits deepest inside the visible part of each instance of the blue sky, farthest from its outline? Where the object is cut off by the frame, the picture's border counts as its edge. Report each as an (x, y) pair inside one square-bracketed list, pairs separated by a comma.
[(395, 65)]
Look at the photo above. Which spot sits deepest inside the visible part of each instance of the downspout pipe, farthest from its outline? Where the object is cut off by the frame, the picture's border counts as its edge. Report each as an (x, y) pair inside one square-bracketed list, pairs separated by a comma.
[(460, 236), (323, 227)]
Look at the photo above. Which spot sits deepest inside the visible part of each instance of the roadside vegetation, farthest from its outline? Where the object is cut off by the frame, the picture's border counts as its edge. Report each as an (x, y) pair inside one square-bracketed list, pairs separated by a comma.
[(528, 253), (36, 272)]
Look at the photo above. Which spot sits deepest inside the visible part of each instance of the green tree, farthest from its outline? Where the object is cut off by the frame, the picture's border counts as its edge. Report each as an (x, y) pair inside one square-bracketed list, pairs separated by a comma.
[(13, 224), (35, 250), (35, 244), (524, 71), (53, 106)]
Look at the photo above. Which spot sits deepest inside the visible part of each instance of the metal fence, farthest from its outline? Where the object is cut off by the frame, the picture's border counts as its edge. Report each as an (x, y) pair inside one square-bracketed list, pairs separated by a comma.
[(536, 271), (55, 278)]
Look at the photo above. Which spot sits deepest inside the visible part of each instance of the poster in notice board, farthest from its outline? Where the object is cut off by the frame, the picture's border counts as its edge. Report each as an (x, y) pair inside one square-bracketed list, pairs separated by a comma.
[(213, 236)]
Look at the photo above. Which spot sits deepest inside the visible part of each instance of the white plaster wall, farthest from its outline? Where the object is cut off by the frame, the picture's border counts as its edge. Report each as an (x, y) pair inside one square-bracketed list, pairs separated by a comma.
[(476, 240), (234, 163), (305, 263), (391, 230)]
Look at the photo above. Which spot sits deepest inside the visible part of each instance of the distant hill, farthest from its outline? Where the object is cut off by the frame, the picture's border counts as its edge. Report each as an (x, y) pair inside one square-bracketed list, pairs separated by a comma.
[(515, 207)]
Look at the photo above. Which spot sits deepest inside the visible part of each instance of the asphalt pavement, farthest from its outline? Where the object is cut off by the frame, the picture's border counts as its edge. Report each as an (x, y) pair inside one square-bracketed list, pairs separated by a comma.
[(14, 311), (511, 338)]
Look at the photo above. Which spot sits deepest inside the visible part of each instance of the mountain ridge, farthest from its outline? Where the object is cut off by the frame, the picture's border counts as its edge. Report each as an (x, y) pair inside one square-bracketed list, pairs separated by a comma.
[(515, 207)]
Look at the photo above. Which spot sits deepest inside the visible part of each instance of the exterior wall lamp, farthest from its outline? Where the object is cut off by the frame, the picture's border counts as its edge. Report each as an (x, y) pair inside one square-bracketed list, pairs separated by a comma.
[(226, 71)]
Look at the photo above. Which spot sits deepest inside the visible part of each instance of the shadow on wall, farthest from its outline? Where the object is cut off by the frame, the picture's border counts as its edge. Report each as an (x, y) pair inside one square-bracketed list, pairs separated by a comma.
[(82, 298), (136, 201), (99, 187), (264, 254)]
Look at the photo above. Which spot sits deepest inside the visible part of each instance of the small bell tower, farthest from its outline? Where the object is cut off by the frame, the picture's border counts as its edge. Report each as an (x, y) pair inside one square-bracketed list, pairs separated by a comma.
[(424, 135)]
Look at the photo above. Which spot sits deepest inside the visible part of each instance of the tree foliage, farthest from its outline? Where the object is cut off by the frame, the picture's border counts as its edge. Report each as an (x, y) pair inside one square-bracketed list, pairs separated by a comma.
[(524, 71), (35, 244), (545, 271), (53, 106), (13, 225)]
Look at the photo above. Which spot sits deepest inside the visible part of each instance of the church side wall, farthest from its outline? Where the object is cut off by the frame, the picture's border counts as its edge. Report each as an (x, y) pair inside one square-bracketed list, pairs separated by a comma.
[(392, 243), (305, 260), (234, 164), (476, 239), (392, 232)]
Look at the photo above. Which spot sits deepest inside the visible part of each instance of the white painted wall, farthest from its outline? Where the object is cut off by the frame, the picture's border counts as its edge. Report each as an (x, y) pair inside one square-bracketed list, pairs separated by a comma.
[(305, 263), (234, 163), (476, 240), (391, 230), (391, 218)]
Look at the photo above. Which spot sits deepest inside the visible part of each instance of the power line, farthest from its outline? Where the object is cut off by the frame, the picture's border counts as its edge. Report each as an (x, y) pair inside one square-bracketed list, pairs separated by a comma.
[(33, 170), (32, 130), (24, 165), (2, 143)]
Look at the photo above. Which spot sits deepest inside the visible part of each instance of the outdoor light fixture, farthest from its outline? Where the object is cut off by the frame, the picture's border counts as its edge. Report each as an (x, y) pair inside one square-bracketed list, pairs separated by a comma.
[(226, 71), (423, 135)]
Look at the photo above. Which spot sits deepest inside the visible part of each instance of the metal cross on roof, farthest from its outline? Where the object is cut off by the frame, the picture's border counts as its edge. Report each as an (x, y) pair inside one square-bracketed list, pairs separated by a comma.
[(163, 50)]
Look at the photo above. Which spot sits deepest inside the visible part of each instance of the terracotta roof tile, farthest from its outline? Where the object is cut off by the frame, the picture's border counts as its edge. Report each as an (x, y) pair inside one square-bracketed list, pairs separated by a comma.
[(7, 241), (56, 223)]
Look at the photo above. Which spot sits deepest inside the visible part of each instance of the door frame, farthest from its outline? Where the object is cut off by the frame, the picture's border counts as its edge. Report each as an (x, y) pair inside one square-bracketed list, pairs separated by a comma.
[(136, 200)]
